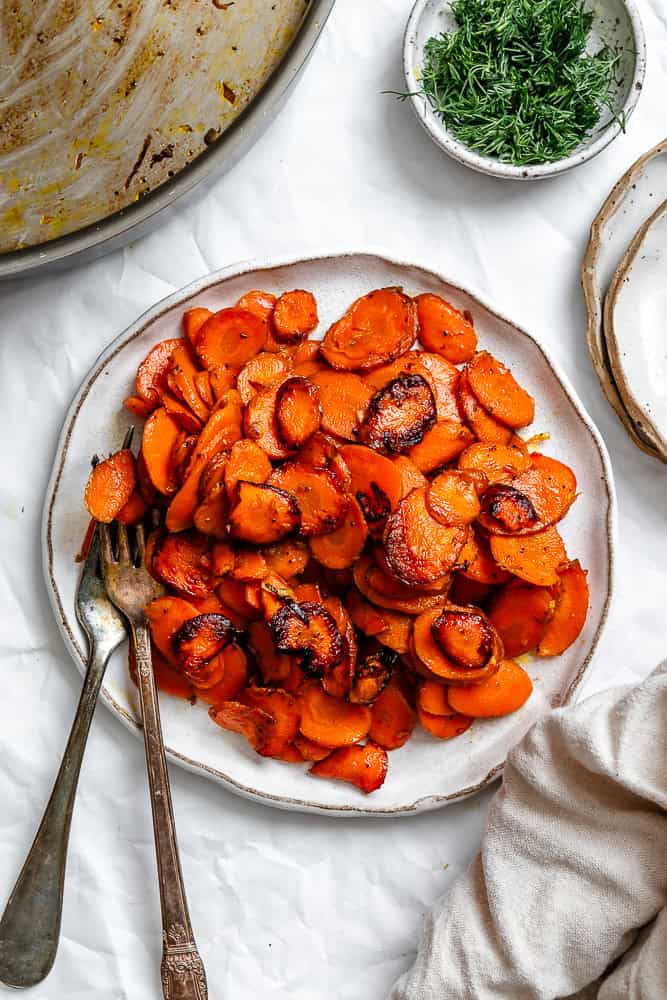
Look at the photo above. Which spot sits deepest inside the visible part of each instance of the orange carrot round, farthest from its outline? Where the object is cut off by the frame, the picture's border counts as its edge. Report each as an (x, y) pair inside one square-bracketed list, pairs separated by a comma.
[(294, 315), (110, 486), (444, 329), (503, 693)]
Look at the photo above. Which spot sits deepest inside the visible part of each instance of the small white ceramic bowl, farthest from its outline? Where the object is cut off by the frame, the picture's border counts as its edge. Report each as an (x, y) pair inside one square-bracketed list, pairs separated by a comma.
[(617, 22)]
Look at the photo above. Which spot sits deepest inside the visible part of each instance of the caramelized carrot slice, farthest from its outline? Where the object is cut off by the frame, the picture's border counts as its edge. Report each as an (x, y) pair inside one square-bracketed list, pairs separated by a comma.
[(234, 676), (441, 376), (520, 612), (500, 463), (444, 727), (199, 640), (399, 414), (181, 413), (569, 617), (180, 461), (344, 397), (437, 661), (308, 629), (247, 462), (418, 549), (452, 498), (204, 387), (408, 600), (393, 718), (249, 565), (483, 425), (432, 698), (264, 371), (534, 558), (221, 378), (214, 473), (441, 445), (165, 616), (320, 499), (193, 320), (376, 328), (110, 486), (152, 372), (138, 406), (260, 424), (466, 636), (133, 511), (263, 513), (376, 482), (273, 666), (340, 548), (445, 330), (505, 692), (211, 515), (310, 750), (222, 558), (467, 591), (364, 615), (330, 721), (475, 561), (260, 304), (184, 371), (411, 477), (288, 559), (283, 708), (365, 767), (230, 336), (371, 676), (499, 392), (183, 562), (294, 316), (298, 411), (232, 593)]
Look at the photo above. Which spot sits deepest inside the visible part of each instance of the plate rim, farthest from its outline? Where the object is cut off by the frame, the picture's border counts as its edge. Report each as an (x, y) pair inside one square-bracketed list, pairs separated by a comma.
[(182, 296)]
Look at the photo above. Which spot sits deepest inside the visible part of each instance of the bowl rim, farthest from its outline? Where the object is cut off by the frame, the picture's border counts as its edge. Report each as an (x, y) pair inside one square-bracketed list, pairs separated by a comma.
[(508, 171), (179, 298)]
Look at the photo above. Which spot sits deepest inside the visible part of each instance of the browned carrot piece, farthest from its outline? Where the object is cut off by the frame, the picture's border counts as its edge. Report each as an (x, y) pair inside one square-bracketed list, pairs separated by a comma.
[(288, 559), (197, 641), (371, 676), (441, 445), (134, 510), (330, 721), (263, 513), (247, 462), (231, 337), (408, 600), (376, 482), (499, 392), (475, 561), (260, 424), (222, 558), (232, 593), (138, 406), (418, 549), (506, 691), (534, 558), (500, 463), (290, 755), (376, 328), (399, 414), (363, 766), (320, 499), (283, 708), (569, 615), (184, 372), (466, 636), (204, 387), (221, 378), (234, 676), (340, 548), (444, 727), (211, 515), (411, 477), (264, 371), (364, 615), (310, 750), (298, 411), (467, 591), (181, 413), (432, 698), (483, 425), (249, 565), (294, 316), (110, 485), (520, 612), (260, 304), (193, 320), (213, 474), (452, 498), (180, 459), (183, 562), (433, 657), (152, 372), (442, 377), (344, 397), (273, 666), (307, 350), (445, 330), (165, 616), (393, 718)]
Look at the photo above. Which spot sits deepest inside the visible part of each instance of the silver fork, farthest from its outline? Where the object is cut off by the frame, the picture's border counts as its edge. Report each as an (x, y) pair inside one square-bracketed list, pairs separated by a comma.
[(131, 587), (30, 925)]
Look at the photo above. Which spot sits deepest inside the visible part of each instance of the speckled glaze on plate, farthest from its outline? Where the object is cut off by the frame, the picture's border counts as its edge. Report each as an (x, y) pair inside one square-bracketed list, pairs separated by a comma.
[(632, 200), (425, 773), (617, 22), (634, 321)]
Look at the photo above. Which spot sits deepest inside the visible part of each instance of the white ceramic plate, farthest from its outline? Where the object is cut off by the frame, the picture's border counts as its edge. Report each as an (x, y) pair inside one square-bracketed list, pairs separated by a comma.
[(635, 328), (617, 23), (425, 773)]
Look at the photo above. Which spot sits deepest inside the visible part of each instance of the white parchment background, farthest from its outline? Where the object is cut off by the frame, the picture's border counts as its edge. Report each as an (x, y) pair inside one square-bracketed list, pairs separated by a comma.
[(286, 905)]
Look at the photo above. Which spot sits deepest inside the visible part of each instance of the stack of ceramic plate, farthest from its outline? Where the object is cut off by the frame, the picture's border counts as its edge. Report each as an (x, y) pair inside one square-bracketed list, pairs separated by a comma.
[(623, 278)]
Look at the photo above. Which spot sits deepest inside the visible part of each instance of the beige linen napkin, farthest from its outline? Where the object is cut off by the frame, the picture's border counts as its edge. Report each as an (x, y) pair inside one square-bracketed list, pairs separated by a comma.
[(568, 896)]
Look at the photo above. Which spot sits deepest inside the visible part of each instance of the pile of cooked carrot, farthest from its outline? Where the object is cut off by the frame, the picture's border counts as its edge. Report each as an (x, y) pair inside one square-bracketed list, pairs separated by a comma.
[(355, 538)]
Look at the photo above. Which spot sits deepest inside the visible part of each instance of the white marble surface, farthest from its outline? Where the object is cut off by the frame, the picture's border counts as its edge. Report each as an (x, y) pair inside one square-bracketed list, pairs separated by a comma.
[(286, 905)]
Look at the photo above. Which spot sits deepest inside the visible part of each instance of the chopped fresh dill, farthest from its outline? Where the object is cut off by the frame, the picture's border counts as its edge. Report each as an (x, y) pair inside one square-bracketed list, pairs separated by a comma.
[(514, 80)]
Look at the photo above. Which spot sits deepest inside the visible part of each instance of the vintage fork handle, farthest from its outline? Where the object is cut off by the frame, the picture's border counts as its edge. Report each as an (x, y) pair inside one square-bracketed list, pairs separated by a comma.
[(183, 976), (30, 925)]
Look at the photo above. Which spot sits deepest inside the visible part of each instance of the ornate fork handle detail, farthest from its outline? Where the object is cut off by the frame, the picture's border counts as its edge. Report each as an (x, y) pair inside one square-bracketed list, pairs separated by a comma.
[(183, 976)]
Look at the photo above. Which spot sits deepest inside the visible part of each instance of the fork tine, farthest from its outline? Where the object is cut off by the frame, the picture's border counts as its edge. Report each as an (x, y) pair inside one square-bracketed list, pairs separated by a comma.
[(140, 541), (127, 440), (123, 543), (156, 517), (106, 548)]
